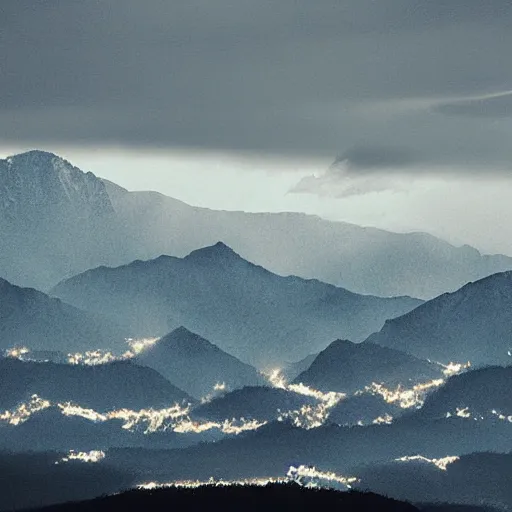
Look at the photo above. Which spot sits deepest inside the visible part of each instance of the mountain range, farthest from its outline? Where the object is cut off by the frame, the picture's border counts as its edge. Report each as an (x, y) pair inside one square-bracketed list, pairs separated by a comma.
[(57, 221), (260, 317)]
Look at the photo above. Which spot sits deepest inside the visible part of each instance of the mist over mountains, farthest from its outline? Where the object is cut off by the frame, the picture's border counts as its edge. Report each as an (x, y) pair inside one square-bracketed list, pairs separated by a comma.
[(256, 315), (58, 221), (181, 347)]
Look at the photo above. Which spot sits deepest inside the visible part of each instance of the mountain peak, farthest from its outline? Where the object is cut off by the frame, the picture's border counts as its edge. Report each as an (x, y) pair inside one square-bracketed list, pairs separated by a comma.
[(217, 252), (34, 154), (38, 181), (182, 336)]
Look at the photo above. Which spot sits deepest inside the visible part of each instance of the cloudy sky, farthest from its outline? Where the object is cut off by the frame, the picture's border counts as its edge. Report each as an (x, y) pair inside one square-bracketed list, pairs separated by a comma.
[(393, 113)]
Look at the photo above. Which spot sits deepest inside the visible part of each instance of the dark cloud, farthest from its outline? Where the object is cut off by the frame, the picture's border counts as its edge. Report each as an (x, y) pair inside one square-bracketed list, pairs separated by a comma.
[(286, 76), (373, 157)]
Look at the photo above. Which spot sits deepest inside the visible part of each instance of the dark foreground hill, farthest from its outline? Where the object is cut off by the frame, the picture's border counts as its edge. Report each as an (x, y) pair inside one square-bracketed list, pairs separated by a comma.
[(236, 498), (32, 480), (272, 497)]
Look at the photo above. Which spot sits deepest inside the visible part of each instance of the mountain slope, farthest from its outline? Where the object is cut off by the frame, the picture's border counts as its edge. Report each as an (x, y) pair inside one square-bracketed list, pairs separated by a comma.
[(476, 394), (348, 367), (196, 365), (252, 313), (363, 259), (56, 221), (117, 385), (259, 403), (31, 318), (472, 324), (476, 479)]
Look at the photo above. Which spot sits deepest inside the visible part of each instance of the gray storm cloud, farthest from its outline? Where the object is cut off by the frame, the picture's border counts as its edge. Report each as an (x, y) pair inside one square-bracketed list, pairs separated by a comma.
[(301, 78)]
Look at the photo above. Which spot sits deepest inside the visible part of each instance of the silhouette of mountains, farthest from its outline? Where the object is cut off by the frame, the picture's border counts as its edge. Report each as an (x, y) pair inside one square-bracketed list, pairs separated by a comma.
[(472, 324), (252, 313), (235, 498), (270, 450), (121, 384), (31, 318), (196, 365), (479, 391), (363, 409), (348, 367), (475, 479), (57, 221), (259, 403), (32, 480), (52, 429)]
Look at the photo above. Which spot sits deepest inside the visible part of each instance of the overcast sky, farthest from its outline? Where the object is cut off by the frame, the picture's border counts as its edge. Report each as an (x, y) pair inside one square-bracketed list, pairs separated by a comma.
[(246, 104)]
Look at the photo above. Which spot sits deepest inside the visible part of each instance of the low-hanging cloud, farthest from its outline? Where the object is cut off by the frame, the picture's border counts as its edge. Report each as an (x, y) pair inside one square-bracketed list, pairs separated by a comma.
[(291, 77)]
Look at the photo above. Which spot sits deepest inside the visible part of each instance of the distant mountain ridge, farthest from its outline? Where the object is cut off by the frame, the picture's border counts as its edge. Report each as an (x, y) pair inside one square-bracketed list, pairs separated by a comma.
[(472, 324), (57, 222), (33, 319), (251, 313)]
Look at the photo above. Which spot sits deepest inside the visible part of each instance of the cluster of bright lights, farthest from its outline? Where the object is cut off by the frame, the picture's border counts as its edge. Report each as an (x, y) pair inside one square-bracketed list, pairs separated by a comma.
[(304, 475), (23, 412), (139, 345), (387, 419), (406, 398), (175, 418), (331, 398), (194, 484), (454, 368), (312, 477), (95, 357), (90, 457), (501, 416), (442, 464), (308, 416), (464, 412), (16, 352)]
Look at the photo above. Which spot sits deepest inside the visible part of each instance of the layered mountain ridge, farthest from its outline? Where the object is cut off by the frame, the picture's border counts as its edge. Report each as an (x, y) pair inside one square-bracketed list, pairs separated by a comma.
[(58, 221), (260, 317)]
